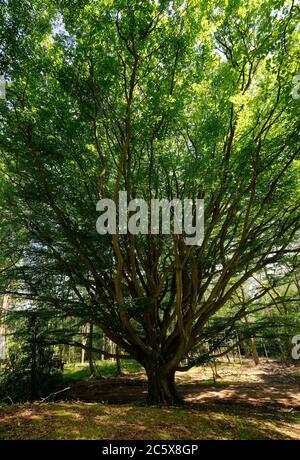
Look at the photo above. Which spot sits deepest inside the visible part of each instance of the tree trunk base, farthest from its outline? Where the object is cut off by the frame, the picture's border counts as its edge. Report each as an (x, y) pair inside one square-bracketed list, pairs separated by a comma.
[(162, 390)]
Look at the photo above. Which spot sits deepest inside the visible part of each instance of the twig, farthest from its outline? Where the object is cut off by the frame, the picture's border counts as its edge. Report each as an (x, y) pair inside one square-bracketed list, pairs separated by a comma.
[(8, 397), (53, 394)]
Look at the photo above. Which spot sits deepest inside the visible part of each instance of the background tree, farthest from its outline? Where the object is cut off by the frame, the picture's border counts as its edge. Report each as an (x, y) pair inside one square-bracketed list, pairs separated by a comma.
[(30, 372)]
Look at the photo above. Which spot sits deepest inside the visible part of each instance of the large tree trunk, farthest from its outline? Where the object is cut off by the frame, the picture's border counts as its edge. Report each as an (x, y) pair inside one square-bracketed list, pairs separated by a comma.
[(161, 387)]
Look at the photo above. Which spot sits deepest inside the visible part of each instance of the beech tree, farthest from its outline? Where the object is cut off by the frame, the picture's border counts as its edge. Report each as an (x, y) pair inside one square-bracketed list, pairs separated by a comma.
[(163, 100)]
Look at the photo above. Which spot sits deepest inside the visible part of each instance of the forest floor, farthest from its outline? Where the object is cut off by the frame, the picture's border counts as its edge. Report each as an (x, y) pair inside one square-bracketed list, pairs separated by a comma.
[(246, 402)]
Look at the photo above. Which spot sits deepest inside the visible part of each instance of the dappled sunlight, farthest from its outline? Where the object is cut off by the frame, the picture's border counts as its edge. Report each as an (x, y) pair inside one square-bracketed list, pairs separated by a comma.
[(97, 421), (246, 402)]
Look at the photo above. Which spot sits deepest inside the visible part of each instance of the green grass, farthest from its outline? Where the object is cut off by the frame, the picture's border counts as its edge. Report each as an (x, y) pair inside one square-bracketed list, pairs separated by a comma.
[(100, 421), (80, 420), (76, 372)]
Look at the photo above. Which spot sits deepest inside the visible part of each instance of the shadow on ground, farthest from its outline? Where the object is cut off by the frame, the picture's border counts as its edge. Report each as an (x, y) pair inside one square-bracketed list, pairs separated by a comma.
[(268, 386), (245, 403), (78, 420)]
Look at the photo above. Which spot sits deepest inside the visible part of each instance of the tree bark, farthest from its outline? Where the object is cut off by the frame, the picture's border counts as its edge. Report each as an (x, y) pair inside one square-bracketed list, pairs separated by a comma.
[(254, 351), (90, 353), (84, 341), (161, 387), (6, 355), (119, 369), (253, 346)]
